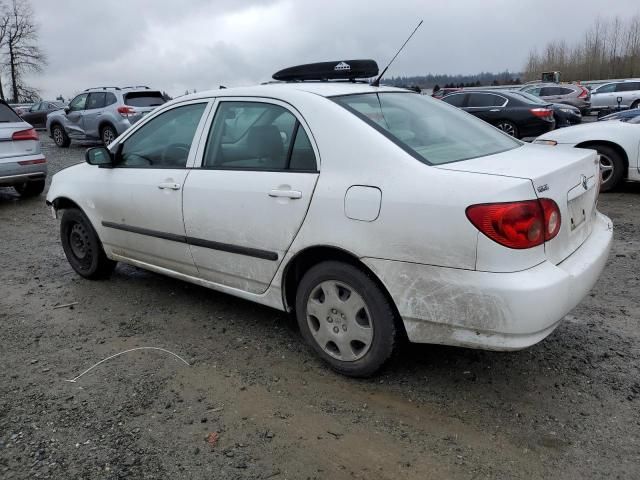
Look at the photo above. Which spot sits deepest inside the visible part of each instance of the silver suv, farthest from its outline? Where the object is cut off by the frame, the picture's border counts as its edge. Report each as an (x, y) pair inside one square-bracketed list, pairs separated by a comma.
[(567, 93), (101, 114), (606, 96)]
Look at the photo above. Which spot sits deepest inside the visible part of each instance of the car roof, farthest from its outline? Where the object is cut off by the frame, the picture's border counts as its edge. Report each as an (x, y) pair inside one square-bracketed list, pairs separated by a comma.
[(284, 89)]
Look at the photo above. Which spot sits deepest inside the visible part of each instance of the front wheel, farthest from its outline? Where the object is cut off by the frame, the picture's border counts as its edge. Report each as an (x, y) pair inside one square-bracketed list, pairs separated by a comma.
[(60, 137), (30, 189), (346, 318), (82, 246), (508, 127)]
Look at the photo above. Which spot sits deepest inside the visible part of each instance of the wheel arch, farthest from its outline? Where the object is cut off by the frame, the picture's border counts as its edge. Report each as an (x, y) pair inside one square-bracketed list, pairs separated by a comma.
[(54, 123), (591, 144), (107, 123), (311, 256)]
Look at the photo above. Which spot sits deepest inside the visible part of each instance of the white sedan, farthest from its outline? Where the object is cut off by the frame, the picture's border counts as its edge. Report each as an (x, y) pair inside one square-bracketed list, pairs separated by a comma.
[(372, 212), (616, 141)]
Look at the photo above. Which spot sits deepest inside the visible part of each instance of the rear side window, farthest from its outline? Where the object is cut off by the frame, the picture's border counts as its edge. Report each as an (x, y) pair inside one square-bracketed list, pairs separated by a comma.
[(427, 129), (110, 99), (257, 136), (485, 100), (144, 99), (628, 87), (7, 115)]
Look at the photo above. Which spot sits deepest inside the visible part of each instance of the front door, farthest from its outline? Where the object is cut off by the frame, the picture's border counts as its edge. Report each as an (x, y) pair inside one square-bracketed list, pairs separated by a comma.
[(139, 200), (245, 205), (74, 126), (92, 114)]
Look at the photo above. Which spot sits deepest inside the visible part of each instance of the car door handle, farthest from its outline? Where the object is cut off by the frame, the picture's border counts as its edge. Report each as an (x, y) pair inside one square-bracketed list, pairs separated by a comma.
[(294, 194), (169, 186)]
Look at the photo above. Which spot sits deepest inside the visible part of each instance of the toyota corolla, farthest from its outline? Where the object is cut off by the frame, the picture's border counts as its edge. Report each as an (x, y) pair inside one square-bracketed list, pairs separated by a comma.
[(372, 212)]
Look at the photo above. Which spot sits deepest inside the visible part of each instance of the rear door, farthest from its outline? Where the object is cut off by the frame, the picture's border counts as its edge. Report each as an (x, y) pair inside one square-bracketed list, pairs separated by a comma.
[(245, 205), (487, 106), (629, 92), (604, 96), (92, 113)]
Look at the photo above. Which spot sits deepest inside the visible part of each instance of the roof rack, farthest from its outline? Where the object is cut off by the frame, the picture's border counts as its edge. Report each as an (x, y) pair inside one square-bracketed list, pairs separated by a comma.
[(102, 88), (136, 86), (324, 71)]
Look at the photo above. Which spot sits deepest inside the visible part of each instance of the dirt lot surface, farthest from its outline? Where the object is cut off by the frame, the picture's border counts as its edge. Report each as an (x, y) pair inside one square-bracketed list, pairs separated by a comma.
[(567, 408)]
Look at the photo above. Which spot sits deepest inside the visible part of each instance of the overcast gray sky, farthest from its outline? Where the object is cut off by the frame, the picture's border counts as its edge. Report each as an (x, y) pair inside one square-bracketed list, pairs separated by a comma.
[(178, 44)]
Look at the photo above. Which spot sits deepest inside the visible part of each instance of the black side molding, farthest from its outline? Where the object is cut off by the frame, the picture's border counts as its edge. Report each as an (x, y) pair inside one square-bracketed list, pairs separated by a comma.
[(196, 242)]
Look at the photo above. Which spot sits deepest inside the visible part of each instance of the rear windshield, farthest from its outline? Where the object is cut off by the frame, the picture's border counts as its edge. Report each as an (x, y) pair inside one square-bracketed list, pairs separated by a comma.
[(7, 115), (430, 130), (144, 99)]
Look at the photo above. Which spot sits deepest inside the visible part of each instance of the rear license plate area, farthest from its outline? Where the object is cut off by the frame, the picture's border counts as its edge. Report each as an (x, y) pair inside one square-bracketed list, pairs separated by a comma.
[(577, 211)]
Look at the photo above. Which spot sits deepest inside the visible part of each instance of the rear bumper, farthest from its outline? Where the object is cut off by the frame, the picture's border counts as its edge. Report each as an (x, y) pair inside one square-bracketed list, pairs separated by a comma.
[(12, 173), (493, 311)]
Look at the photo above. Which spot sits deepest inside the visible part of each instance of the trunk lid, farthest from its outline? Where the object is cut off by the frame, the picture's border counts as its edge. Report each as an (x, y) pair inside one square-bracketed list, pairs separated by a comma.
[(569, 176), (10, 148)]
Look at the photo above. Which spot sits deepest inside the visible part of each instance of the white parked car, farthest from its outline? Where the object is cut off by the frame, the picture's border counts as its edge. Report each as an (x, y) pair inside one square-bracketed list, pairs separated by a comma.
[(616, 141), (370, 211)]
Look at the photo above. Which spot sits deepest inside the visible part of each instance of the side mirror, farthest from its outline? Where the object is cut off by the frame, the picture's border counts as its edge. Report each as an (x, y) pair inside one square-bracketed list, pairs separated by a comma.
[(67, 109), (99, 156)]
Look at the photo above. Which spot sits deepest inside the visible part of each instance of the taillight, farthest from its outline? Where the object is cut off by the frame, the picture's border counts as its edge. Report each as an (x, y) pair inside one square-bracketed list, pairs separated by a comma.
[(517, 225), (542, 112), (30, 134), (584, 93), (125, 111), (33, 162)]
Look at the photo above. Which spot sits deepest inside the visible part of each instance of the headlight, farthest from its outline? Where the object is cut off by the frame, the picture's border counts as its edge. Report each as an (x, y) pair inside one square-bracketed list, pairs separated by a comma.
[(553, 143)]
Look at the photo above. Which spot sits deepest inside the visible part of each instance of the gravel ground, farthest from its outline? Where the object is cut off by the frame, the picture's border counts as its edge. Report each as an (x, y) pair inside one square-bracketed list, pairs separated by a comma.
[(567, 408)]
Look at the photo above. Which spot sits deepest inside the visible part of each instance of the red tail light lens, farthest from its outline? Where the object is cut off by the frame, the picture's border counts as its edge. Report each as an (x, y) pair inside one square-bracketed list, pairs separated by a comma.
[(517, 225), (125, 110), (542, 112), (584, 93), (30, 134)]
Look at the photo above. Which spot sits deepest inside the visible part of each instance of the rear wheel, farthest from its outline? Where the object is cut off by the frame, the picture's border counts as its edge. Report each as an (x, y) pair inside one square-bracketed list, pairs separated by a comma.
[(508, 128), (30, 189), (611, 167), (82, 246), (60, 137), (346, 318), (108, 134)]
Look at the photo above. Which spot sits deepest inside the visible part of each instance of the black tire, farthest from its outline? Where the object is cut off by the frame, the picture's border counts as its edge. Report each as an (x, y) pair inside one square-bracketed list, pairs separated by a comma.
[(508, 127), (60, 137), (82, 246), (377, 314), (108, 134), (30, 189), (614, 164)]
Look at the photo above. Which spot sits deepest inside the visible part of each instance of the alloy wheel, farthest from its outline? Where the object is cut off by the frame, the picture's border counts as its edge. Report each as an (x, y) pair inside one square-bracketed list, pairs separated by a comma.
[(606, 168), (108, 136), (339, 321), (507, 128), (58, 136)]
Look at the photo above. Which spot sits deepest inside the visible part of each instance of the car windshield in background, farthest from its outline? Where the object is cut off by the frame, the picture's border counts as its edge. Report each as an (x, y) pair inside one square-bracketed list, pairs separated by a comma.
[(7, 115), (144, 99), (432, 131)]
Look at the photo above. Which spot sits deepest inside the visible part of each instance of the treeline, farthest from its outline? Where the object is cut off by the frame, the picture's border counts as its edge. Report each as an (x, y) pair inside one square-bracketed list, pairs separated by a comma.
[(610, 48), (478, 80)]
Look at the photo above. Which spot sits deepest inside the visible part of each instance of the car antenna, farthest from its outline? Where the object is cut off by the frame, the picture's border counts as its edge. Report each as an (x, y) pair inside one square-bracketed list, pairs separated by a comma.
[(376, 82)]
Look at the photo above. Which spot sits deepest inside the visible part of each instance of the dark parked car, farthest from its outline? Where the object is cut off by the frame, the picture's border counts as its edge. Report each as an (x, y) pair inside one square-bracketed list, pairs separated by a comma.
[(36, 115), (513, 114), (564, 115), (444, 91), (624, 115)]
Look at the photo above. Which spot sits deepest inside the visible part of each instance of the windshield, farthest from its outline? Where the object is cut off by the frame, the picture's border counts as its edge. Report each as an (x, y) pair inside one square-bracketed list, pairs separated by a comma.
[(430, 130)]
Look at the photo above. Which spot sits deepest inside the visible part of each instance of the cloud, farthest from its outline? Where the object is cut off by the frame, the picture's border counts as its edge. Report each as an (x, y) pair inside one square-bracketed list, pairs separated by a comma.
[(201, 44)]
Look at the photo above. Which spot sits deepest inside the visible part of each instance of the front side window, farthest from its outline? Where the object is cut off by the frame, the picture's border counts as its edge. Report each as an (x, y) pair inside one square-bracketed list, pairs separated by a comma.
[(609, 88), (427, 129), (257, 136), (164, 141), (456, 99), (78, 103)]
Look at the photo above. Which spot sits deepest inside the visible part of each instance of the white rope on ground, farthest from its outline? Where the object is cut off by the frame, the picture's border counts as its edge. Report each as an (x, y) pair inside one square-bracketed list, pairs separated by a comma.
[(73, 380)]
